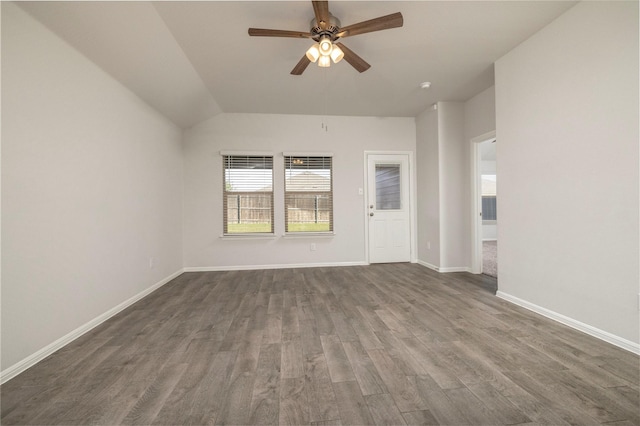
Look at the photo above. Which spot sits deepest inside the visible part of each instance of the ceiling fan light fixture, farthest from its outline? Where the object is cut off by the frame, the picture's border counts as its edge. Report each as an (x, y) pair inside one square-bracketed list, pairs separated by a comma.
[(324, 61), (336, 54), (313, 53), (325, 30), (325, 46)]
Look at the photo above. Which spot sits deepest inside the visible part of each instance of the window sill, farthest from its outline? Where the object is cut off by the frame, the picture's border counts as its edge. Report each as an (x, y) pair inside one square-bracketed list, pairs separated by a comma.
[(245, 237), (294, 235)]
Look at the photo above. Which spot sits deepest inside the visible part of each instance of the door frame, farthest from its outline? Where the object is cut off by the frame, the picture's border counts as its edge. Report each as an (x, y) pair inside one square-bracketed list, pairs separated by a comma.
[(412, 202), (476, 200)]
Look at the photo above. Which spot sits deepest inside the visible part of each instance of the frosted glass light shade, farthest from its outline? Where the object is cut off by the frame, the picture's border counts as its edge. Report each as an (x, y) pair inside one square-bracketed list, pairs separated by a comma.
[(325, 46), (324, 61), (313, 53), (337, 54)]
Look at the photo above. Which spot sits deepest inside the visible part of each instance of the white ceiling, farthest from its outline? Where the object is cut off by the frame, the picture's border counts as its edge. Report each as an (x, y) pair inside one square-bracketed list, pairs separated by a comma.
[(193, 60)]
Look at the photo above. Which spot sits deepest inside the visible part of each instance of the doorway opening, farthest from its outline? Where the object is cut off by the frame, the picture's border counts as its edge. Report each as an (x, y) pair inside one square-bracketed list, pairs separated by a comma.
[(484, 202)]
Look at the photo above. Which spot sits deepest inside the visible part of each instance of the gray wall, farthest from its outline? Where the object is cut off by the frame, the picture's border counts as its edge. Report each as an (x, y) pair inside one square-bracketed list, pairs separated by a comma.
[(567, 129), (347, 139), (443, 157), (428, 183), (91, 190)]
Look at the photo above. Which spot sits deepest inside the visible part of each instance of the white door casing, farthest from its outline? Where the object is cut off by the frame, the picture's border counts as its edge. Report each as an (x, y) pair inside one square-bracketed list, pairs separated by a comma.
[(388, 208)]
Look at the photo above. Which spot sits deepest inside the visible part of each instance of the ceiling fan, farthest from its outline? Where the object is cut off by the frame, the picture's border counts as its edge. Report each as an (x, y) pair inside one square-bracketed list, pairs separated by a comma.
[(325, 31)]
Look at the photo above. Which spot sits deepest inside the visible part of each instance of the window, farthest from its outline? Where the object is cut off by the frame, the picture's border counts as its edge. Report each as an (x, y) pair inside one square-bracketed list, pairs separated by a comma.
[(489, 211), (489, 208), (247, 194), (308, 193), (388, 187)]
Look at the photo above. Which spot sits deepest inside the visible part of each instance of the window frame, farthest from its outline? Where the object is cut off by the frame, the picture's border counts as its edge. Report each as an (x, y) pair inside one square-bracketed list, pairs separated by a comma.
[(314, 157), (247, 157)]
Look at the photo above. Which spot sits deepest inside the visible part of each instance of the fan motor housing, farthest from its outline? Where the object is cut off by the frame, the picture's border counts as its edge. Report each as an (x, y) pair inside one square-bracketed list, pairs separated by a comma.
[(333, 27)]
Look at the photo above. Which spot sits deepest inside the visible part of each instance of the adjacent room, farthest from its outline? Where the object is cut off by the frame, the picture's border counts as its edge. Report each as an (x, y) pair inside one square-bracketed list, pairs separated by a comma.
[(489, 202), (282, 212)]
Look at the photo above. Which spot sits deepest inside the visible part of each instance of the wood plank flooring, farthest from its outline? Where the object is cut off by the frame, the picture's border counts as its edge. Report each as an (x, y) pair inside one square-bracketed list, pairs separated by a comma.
[(380, 344)]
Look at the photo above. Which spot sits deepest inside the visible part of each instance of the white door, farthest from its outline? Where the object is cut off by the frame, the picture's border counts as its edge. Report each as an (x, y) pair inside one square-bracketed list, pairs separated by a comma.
[(388, 208)]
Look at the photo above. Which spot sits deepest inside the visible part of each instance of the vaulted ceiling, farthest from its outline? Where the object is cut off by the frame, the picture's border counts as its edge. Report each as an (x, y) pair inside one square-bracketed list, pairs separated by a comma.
[(193, 60)]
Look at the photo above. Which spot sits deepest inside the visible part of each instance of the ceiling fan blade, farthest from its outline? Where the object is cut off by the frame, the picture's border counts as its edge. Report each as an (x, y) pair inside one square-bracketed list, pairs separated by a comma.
[(321, 9), (356, 61), (394, 20), (301, 66), (261, 32)]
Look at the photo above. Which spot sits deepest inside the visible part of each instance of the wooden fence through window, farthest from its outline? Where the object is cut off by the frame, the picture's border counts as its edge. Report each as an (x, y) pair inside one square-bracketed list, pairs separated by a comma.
[(256, 208)]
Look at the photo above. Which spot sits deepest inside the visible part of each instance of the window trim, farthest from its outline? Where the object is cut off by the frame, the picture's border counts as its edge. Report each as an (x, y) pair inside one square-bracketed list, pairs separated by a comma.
[(314, 234), (248, 236), (244, 235)]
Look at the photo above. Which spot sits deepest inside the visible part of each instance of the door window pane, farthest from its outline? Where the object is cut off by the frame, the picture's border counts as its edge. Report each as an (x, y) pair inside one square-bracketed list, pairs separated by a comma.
[(388, 187)]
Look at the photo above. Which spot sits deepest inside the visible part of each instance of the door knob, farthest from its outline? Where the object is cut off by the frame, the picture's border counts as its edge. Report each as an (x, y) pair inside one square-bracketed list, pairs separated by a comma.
[(371, 214), (370, 206)]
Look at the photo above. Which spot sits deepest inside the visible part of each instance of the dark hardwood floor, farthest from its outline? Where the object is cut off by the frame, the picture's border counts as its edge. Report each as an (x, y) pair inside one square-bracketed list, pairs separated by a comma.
[(381, 344)]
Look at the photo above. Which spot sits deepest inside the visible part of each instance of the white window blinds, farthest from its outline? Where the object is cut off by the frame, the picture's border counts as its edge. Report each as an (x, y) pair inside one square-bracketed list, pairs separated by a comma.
[(308, 193), (247, 194)]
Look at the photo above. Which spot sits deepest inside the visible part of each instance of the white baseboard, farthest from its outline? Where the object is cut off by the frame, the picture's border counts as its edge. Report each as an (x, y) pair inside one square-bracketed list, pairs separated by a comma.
[(278, 266), (455, 269), (38, 356), (580, 326), (428, 265), (445, 269)]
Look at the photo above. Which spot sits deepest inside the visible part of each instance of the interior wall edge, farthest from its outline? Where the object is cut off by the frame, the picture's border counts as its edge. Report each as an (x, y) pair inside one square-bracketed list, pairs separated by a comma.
[(31, 360), (573, 323)]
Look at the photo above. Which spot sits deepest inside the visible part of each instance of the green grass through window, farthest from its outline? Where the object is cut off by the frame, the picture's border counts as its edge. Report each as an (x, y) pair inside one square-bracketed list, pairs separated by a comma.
[(248, 228), (308, 227), (257, 228)]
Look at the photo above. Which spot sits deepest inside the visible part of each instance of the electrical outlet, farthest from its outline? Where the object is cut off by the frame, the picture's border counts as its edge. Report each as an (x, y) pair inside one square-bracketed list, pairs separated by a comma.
[(151, 263), (312, 247), (428, 245)]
